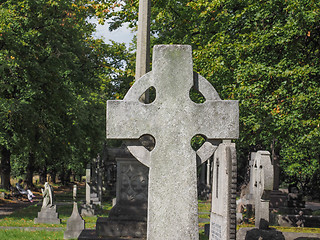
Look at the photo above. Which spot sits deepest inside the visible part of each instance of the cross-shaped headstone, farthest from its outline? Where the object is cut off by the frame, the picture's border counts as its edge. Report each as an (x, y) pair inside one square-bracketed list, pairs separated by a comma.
[(172, 119)]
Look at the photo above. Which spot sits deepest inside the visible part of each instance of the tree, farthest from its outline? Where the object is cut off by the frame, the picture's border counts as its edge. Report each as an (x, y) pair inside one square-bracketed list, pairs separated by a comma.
[(263, 53), (54, 81)]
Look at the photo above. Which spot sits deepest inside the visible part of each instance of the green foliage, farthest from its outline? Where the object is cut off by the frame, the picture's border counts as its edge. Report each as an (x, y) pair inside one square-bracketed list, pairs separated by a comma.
[(264, 54), (54, 82)]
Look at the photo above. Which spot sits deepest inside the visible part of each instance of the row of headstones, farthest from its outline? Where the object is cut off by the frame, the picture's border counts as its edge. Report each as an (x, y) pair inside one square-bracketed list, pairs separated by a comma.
[(263, 197), (172, 199), (75, 224), (93, 188), (49, 215), (128, 218), (222, 224)]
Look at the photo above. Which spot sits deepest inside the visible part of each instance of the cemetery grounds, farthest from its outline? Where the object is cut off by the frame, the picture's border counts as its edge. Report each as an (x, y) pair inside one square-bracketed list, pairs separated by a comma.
[(17, 215)]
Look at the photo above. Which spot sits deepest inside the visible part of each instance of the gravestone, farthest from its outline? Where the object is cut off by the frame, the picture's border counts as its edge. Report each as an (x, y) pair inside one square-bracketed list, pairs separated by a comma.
[(263, 185), (128, 218), (204, 184), (92, 200), (278, 199), (48, 212), (172, 120), (96, 181), (223, 204), (75, 224)]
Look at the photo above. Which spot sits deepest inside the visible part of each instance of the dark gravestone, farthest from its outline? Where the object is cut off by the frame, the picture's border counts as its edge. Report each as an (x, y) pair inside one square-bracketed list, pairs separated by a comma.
[(128, 218)]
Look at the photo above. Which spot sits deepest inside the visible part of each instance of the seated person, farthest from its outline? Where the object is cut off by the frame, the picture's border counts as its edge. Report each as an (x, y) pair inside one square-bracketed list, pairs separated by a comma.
[(22, 191)]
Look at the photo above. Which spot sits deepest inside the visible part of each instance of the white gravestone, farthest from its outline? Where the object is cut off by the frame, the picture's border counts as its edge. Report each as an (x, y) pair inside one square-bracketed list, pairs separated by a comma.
[(172, 119), (223, 206), (263, 185)]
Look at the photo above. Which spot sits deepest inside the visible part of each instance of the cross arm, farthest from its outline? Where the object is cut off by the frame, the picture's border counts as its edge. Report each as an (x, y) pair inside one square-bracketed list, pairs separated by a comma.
[(128, 119), (220, 121)]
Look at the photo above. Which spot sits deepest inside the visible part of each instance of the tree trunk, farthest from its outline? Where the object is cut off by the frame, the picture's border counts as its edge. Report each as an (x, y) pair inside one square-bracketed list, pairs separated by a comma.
[(5, 168), (276, 166), (53, 175), (30, 170), (68, 176), (43, 175)]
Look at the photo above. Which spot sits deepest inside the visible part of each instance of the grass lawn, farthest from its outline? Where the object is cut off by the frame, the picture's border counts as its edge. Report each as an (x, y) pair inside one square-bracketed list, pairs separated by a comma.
[(34, 235), (25, 218)]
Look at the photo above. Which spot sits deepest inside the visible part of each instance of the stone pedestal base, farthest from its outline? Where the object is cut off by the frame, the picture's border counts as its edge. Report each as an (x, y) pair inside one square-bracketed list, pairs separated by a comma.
[(48, 215), (117, 228)]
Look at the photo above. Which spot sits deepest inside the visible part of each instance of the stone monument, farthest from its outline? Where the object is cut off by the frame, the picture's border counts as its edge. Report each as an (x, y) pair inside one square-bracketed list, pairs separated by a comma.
[(172, 120), (263, 185), (92, 192), (75, 224), (48, 213), (261, 178), (128, 218), (223, 205)]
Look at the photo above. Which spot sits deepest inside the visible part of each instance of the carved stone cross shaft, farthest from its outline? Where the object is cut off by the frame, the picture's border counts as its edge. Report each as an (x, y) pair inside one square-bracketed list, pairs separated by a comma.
[(172, 119)]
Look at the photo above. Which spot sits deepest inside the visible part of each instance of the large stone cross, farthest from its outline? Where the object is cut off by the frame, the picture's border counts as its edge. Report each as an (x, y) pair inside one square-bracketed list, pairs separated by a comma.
[(172, 119)]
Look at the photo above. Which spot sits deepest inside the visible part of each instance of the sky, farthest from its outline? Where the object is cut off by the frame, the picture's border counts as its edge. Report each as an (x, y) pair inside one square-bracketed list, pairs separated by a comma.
[(121, 35)]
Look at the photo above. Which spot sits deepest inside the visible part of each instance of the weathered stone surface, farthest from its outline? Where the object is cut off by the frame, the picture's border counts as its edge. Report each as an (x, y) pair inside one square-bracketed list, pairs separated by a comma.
[(263, 185), (223, 209), (132, 191), (110, 228), (93, 190), (258, 234), (88, 210), (128, 218), (48, 215), (172, 119), (278, 199), (143, 39), (75, 224)]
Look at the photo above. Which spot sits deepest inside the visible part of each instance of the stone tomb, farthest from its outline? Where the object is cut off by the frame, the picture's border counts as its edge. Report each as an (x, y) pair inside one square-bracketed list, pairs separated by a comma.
[(172, 120)]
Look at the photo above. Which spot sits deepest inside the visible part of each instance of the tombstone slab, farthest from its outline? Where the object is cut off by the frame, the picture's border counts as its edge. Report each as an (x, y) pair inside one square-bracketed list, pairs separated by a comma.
[(223, 204), (263, 186), (75, 224), (90, 208), (172, 119), (128, 218)]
